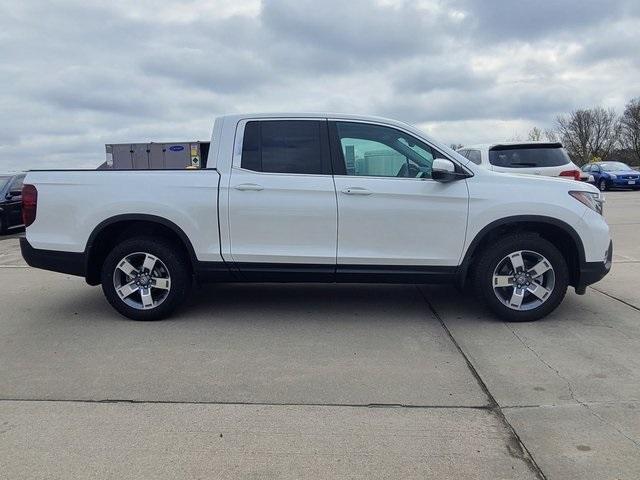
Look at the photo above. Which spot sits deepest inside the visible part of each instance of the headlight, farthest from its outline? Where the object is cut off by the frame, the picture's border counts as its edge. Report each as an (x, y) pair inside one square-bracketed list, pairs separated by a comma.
[(613, 176), (592, 200)]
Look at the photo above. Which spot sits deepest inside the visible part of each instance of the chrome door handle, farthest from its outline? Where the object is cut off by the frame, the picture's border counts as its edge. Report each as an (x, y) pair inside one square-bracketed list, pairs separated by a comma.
[(248, 187), (356, 191)]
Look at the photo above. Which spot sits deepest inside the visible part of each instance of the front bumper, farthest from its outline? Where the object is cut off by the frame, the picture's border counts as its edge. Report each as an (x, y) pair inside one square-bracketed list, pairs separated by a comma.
[(64, 262), (592, 272), (624, 183)]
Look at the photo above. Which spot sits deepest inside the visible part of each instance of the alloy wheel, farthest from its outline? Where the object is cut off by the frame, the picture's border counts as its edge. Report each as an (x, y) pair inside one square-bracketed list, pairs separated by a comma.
[(523, 280), (142, 280)]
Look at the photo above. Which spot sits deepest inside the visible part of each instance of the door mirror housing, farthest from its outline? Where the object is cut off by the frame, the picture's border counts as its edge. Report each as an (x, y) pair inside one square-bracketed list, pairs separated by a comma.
[(443, 170)]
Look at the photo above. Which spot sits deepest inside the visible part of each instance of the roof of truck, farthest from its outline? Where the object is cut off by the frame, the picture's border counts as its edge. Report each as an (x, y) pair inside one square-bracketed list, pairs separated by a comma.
[(334, 116), (345, 116)]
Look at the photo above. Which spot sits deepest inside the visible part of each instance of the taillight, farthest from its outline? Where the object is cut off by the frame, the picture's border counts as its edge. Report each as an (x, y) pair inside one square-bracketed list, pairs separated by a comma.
[(575, 174), (29, 204)]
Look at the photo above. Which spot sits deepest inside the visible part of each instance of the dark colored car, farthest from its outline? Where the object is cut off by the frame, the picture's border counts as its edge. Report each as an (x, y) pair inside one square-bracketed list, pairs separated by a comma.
[(11, 202), (608, 175)]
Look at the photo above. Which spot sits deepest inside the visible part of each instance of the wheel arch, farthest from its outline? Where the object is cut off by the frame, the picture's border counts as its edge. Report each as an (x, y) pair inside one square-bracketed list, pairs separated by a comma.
[(115, 229), (560, 233)]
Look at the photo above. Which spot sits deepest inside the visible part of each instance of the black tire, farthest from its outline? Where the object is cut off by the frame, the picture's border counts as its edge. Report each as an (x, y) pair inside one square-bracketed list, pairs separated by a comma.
[(602, 185), (170, 255), (494, 253)]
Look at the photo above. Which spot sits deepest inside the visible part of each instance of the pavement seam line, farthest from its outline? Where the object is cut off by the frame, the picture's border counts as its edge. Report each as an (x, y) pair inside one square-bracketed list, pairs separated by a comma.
[(615, 298), (527, 458), (572, 393), (560, 405), (264, 404)]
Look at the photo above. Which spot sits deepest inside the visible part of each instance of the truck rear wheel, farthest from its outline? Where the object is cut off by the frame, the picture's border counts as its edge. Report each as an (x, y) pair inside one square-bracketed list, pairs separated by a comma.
[(145, 278), (522, 277)]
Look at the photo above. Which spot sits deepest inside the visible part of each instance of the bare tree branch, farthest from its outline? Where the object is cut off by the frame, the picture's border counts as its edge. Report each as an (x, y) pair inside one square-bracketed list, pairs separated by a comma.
[(630, 123)]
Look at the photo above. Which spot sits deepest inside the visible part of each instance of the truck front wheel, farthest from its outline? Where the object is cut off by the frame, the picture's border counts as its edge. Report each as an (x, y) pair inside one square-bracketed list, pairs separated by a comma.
[(145, 278), (522, 277)]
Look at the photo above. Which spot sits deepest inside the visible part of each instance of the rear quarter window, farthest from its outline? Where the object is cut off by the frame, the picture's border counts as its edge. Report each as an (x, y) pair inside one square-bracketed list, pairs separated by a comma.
[(528, 156)]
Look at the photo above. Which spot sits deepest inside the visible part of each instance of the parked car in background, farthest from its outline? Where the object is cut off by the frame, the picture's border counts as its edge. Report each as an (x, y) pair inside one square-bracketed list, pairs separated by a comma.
[(535, 158), (608, 175), (11, 201)]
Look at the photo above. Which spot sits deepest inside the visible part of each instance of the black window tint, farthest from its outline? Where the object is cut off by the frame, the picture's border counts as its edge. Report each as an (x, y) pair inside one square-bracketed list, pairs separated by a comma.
[(251, 147), (527, 156), (283, 146)]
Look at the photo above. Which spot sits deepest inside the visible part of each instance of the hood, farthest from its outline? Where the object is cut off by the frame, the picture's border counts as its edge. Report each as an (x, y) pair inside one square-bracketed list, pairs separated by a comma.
[(541, 181)]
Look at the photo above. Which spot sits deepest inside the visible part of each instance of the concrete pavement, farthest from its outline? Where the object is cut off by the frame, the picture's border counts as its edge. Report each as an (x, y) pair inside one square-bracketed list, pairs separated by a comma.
[(93, 440), (321, 381)]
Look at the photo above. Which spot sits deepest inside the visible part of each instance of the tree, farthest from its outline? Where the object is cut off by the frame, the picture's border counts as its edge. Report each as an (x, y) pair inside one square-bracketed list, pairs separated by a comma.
[(551, 135), (631, 127), (606, 132), (514, 138), (535, 134), (589, 133)]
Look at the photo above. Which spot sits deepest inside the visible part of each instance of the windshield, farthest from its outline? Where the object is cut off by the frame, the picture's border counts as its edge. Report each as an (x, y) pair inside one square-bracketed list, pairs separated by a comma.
[(3, 181), (614, 166), (528, 155)]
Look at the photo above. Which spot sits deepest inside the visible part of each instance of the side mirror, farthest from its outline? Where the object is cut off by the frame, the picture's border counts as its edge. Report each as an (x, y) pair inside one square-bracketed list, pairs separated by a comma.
[(14, 193), (443, 170)]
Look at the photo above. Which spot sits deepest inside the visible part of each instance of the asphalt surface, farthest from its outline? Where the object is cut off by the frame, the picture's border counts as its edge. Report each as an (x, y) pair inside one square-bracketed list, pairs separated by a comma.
[(321, 381)]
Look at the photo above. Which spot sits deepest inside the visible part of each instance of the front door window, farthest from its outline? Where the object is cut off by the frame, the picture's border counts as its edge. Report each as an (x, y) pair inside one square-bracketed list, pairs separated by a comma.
[(378, 151)]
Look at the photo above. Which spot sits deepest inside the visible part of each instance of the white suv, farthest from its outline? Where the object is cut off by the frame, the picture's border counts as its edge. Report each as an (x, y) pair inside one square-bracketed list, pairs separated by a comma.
[(534, 158)]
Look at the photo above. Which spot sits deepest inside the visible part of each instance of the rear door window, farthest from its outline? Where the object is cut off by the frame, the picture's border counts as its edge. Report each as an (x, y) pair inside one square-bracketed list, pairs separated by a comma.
[(286, 146), (528, 156)]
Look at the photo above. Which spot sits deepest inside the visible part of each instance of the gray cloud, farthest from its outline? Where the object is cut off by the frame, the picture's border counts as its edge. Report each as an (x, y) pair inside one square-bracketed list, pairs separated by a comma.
[(523, 21), (359, 29), (432, 75), (77, 74)]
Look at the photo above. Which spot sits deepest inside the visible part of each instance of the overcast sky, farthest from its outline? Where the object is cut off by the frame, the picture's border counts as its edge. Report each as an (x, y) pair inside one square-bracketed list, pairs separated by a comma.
[(75, 75)]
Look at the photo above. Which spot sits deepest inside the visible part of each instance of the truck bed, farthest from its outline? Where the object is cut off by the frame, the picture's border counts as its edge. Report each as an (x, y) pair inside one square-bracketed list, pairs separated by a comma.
[(72, 202)]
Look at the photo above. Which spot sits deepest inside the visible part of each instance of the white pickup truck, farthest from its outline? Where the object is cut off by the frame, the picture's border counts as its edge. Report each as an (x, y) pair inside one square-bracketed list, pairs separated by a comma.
[(318, 198)]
